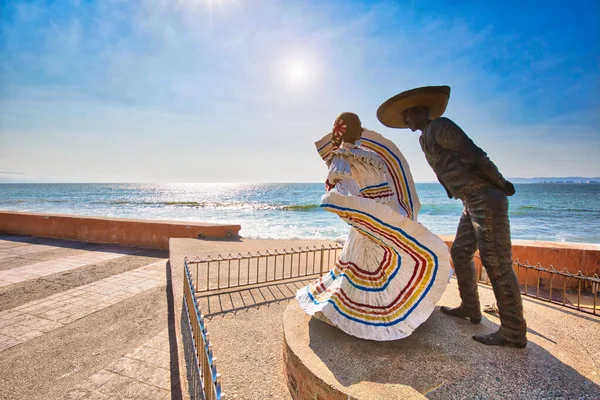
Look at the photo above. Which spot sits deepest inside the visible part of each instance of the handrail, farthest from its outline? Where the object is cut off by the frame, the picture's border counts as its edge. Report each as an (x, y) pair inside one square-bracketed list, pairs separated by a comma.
[(208, 381)]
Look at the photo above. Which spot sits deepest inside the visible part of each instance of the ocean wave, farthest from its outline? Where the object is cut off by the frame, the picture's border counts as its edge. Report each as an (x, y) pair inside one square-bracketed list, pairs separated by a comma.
[(301, 207), (530, 208), (283, 236), (35, 200), (440, 209), (162, 203), (212, 204), (185, 203), (191, 204), (581, 210), (533, 210)]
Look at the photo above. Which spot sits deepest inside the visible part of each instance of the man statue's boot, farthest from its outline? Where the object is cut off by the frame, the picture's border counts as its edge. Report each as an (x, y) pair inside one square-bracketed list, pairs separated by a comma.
[(461, 312), (496, 339)]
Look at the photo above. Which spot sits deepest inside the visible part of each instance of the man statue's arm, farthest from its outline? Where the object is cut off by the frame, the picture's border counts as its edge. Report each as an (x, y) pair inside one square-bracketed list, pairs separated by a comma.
[(452, 137)]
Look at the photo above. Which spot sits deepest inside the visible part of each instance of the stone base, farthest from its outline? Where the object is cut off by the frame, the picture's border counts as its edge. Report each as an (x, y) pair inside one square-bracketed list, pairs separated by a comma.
[(321, 362), (441, 361)]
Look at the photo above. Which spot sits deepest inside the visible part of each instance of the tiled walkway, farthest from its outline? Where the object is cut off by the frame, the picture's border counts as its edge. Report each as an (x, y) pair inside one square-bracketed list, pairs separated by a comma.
[(35, 329), (45, 268), (33, 319), (22, 250), (142, 374)]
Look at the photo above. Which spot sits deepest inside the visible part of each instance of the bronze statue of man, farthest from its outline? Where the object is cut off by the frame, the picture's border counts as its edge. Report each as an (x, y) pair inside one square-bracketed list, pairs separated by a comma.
[(467, 174)]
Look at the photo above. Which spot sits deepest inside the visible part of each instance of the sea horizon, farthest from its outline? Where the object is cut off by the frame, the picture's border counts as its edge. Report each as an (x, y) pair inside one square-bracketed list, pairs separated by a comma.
[(258, 182), (551, 212)]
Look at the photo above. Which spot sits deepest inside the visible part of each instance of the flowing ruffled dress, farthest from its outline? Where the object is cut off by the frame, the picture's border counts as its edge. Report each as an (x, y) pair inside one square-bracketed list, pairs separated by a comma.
[(392, 270)]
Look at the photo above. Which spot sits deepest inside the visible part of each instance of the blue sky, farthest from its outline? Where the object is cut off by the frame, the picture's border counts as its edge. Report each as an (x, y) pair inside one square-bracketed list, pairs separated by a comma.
[(238, 91)]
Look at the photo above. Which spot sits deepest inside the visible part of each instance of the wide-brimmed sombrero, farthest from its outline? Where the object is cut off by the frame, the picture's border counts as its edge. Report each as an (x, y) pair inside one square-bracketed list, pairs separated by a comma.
[(434, 97)]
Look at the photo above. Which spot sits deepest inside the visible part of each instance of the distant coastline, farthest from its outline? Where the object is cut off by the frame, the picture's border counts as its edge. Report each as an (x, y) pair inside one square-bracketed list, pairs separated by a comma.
[(560, 180)]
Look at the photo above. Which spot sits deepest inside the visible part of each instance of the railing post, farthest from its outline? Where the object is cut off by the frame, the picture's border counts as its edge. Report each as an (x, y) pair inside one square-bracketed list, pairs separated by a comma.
[(579, 295), (595, 287), (322, 260), (526, 269)]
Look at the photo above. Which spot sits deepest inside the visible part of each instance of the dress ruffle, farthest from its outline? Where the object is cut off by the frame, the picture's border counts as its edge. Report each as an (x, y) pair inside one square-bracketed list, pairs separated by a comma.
[(362, 155), (388, 278)]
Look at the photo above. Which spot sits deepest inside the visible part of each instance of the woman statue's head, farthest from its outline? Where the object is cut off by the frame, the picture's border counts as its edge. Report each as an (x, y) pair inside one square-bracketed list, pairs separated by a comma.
[(347, 128)]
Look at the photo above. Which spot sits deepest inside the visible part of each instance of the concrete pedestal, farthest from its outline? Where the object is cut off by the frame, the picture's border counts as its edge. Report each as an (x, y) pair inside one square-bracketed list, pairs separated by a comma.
[(321, 362), (440, 361)]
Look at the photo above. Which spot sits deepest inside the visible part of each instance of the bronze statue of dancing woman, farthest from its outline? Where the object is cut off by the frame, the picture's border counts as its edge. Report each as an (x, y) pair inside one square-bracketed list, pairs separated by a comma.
[(392, 271)]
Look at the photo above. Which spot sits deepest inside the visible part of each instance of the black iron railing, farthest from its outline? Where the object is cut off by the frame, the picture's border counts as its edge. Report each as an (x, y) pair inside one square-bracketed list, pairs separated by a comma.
[(223, 272), (572, 290), (205, 380), (215, 274), (561, 287)]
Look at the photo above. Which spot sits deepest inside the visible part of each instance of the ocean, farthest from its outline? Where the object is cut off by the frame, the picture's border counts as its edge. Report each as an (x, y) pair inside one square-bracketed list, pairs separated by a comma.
[(553, 212)]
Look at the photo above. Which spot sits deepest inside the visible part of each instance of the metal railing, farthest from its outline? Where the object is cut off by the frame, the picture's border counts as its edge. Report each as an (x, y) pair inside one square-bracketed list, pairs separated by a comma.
[(213, 274), (557, 286), (232, 271), (222, 272), (576, 291), (207, 379)]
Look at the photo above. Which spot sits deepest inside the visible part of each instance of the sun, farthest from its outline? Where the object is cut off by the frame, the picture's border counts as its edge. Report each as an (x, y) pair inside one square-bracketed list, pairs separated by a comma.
[(298, 70), (298, 73)]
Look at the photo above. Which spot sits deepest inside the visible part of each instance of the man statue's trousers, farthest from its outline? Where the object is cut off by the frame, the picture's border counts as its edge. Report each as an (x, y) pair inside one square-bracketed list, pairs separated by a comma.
[(484, 224)]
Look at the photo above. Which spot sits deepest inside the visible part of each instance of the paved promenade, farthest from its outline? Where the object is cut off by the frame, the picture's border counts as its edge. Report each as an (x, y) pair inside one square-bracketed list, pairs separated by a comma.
[(440, 360), (83, 321), (89, 321)]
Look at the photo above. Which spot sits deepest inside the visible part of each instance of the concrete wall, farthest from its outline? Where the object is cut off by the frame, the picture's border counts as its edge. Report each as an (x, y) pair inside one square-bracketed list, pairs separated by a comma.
[(155, 234), (575, 257), (125, 232)]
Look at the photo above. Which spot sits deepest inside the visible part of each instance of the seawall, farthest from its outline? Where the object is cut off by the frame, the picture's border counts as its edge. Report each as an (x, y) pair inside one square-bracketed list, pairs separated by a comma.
[(125, 232)]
